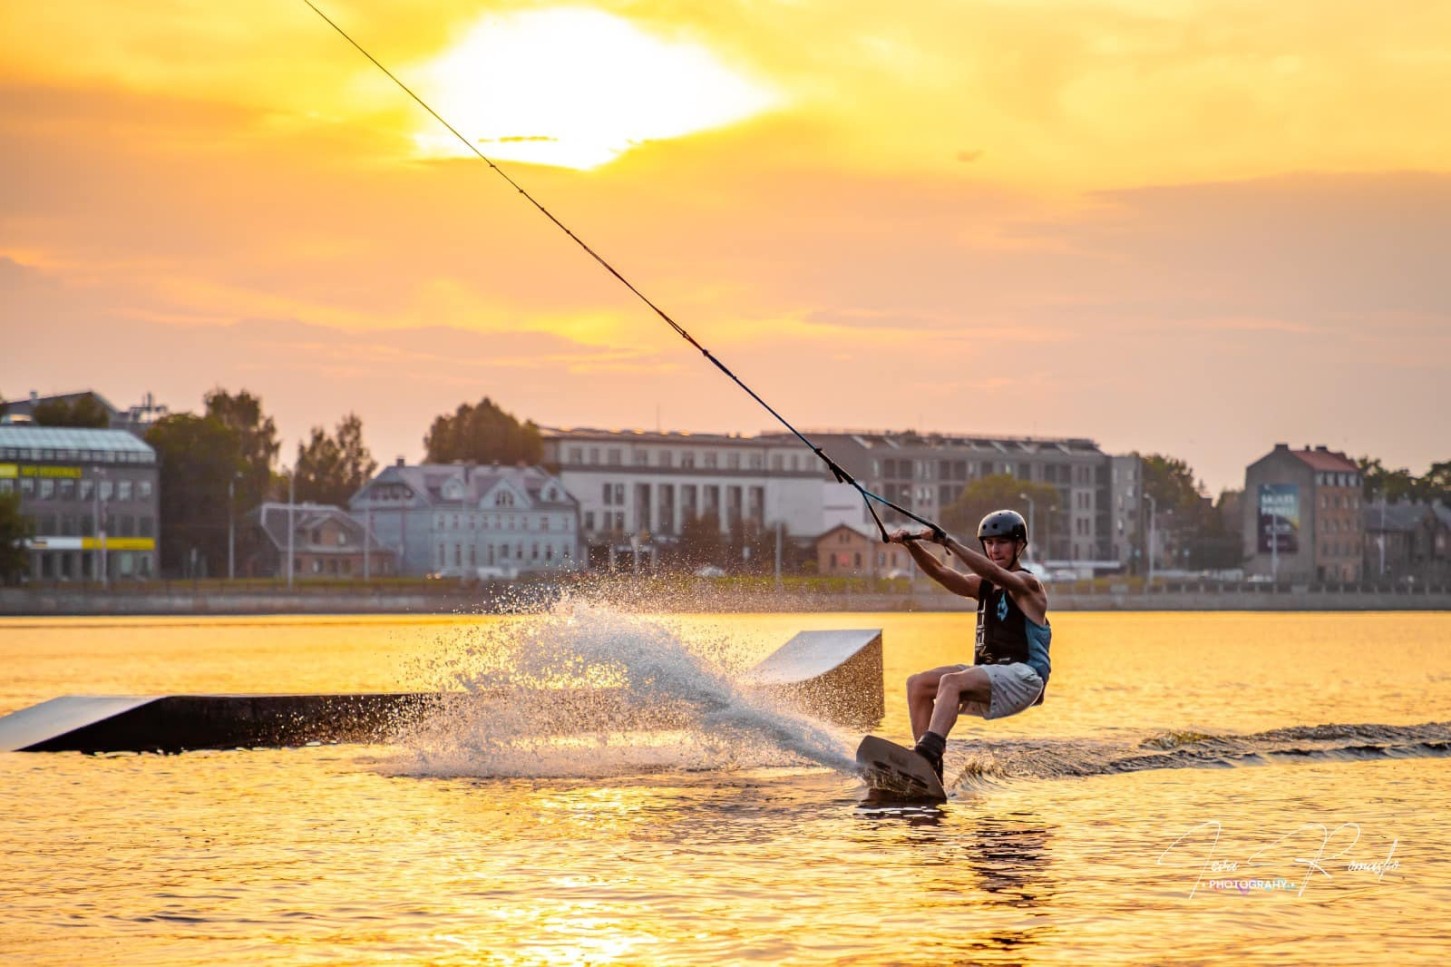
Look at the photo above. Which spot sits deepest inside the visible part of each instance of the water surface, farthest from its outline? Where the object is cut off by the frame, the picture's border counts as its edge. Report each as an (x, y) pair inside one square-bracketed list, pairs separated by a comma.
[(1306, 755)]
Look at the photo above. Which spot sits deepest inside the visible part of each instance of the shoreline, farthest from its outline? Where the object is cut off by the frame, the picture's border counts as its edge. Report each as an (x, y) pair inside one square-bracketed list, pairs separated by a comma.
[(85, 602)]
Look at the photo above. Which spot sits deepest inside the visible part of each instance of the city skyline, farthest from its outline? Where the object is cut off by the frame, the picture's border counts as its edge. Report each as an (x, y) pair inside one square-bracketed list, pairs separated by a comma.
[(1196, 232)]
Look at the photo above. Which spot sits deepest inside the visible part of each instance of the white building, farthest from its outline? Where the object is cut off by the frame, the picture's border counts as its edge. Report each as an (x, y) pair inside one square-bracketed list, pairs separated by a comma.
[(465, 520), (636, 486)]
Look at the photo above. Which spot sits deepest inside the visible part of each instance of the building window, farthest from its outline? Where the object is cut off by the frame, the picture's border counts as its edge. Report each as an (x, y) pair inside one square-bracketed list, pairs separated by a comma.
[(613, 456), (123, 490), (576, 455), (589, 520)]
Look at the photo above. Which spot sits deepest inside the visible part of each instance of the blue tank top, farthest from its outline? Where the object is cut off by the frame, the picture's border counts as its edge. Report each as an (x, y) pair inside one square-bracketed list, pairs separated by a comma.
[(1006, 635)]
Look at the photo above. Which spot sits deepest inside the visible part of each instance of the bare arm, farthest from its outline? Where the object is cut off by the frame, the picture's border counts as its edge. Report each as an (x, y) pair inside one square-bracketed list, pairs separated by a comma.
[(950, 578), (1026, 590)]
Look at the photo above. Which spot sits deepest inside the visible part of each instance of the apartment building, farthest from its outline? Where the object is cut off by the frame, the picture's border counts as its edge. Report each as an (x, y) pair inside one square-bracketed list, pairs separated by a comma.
[(1097, 514), (93, 496), (1302, 515)]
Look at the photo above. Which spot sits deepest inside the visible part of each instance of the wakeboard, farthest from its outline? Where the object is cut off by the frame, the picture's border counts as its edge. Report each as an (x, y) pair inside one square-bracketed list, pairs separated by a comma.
[(894, 770)]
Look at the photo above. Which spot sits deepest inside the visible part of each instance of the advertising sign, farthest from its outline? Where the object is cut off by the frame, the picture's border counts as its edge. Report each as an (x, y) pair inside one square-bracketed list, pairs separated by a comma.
[(1279, 530)]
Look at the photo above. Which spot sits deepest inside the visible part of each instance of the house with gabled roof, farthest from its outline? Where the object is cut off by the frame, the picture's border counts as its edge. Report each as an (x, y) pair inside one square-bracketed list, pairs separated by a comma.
[(1407, 541), (856, 551), (325, 542), (472, 521)]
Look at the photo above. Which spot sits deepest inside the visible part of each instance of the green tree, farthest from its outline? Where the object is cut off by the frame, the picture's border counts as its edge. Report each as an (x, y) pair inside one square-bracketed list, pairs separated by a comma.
[(15, 530), (257, 450), (1005, 492), (257, 443), (484, 434), (331, 469), (84, 411), (199, 457), (1436, 484), (1170, 482), (1218, 544), (1393, 485), (701, 542), (1186, 516)]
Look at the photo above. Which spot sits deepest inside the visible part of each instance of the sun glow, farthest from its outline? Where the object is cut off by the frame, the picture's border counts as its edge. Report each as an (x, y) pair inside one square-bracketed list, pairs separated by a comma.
[(577, 88)]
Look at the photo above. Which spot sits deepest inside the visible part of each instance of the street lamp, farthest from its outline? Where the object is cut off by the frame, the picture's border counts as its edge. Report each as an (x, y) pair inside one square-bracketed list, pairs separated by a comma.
[(232, 526), (291, 498), (1153, 512), (101, 527), (1031, 523)]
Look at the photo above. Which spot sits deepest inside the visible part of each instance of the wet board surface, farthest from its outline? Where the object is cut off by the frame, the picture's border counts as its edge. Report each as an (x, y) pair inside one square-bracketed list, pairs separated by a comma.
[(894, 770)]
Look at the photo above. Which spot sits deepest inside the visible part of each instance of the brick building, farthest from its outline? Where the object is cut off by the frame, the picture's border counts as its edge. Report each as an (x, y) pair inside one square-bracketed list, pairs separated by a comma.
[(849, 551), (1302, 516)]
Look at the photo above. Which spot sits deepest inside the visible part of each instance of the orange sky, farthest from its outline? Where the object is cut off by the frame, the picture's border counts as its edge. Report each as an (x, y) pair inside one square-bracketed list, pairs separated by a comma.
[(1194, 228)]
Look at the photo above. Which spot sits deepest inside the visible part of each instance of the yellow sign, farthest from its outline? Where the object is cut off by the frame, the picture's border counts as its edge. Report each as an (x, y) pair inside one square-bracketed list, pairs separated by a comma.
[(12, 470), (120, 543), (71, 472)]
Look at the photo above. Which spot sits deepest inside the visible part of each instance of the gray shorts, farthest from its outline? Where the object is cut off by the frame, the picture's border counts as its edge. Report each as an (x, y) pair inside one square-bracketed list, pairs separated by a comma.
[(1014, 688)]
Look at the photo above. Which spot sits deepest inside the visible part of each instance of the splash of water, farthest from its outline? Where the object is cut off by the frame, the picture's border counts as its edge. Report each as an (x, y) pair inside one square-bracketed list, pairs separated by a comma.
[(590, 690)]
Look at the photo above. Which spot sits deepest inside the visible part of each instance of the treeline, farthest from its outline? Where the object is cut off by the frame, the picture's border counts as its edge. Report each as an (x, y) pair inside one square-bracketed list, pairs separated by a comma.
[(217, 465), (1401, 484)]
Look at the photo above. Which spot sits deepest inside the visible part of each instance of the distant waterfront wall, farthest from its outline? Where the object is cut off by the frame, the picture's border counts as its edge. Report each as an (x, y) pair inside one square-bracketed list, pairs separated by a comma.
[(702, 596)]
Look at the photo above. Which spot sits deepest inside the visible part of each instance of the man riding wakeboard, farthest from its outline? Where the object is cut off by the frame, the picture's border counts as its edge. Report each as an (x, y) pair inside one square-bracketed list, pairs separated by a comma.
[(1010, 661)]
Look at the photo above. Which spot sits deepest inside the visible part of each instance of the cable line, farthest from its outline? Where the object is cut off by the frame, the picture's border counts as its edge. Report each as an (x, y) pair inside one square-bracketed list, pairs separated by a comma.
[(836, 469)]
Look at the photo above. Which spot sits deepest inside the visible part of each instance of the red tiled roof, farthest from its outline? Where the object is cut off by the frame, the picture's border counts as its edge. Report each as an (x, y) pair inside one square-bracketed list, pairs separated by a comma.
[(1331, 460)]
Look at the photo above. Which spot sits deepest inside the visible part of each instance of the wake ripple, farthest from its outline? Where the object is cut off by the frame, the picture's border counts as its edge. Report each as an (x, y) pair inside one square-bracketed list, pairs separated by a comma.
[(1065, 758)]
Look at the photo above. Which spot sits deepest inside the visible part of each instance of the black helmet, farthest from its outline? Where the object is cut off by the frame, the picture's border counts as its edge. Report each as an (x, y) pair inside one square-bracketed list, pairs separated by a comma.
[(1003, 523)]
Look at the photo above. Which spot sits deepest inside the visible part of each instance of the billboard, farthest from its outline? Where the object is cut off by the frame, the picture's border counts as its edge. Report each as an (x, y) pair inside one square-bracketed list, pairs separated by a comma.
[(1279, 509)]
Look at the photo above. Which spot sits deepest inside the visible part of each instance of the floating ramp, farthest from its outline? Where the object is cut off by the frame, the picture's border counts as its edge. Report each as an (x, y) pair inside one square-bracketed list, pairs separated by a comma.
[(833, 675)]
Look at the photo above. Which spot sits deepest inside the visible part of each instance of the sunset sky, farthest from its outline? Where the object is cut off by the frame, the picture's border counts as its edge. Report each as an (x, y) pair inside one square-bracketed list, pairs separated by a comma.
[(1197, 228)]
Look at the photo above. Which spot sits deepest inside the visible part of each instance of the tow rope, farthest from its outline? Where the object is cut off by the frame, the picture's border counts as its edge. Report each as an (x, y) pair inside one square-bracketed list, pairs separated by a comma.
[(841, 475)]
